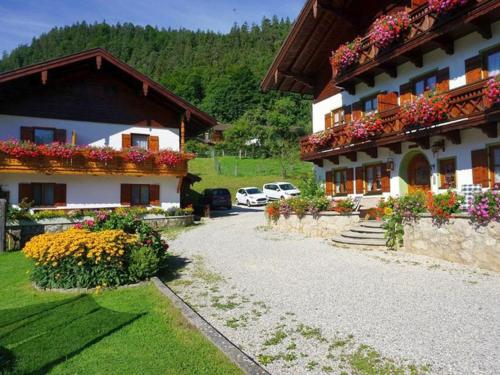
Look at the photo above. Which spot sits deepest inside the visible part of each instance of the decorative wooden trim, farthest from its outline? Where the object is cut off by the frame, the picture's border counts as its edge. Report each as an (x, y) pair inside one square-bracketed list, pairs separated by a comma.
[(371, 152), (454, 137), (98, 62), (352, 156), (44, 76), (490, 129)]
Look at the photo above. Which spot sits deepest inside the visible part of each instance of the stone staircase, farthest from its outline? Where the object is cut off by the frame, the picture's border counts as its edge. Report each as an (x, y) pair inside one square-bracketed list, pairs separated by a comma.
[(365, 235)]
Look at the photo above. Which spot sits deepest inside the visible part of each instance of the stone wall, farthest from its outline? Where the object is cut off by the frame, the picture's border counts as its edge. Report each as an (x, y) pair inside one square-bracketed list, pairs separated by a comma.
[(458, 241), (19, 232), (327, 225)]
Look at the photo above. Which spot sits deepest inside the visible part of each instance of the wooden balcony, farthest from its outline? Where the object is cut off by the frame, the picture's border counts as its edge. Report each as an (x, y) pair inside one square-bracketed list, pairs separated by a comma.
[(427, 32), (81, 165), (467, 108)]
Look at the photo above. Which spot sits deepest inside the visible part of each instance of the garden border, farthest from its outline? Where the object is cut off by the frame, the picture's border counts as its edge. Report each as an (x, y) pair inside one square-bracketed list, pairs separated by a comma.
[(235, 354), (89, 290)]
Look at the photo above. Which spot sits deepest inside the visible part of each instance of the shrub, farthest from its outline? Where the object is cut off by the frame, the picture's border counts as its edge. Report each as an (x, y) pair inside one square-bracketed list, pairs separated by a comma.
[(143, 263), (310, 187), (49, 214), (299, 206), (22, 212), (285, 209), (389, 28), (485, 207), (272, 211), (318, 204), (442, 206), (344, 206)]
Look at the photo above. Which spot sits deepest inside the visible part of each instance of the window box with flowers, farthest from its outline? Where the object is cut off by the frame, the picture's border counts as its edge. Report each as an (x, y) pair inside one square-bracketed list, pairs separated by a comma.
[(426, 110), (388, 29), (492, 91), (321, 140), (346, 55), (365, 128), (441, 7), (138, 155)]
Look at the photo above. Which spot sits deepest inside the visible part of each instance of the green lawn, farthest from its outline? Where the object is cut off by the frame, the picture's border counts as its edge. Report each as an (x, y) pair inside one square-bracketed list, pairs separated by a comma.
[(127, 331), (236, 173)]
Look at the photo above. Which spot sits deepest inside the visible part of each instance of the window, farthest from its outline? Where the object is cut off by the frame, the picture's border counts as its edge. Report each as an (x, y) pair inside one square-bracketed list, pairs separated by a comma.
[(373, 176), (340, 178), (425, 84), (43, 194), (140, 195), (370, 105), (140, 141), (447, 174), (43, 136), (493, 63), (338, 117), (495, 164)]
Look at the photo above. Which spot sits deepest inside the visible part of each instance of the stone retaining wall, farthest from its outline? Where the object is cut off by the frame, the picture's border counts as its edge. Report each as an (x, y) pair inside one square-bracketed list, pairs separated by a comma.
[(458, 241), (327, 225), (19, 232)]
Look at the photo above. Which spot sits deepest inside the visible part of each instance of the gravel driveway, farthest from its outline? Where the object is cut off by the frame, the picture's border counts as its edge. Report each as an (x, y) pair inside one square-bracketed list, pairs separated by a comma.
[(299, 305)]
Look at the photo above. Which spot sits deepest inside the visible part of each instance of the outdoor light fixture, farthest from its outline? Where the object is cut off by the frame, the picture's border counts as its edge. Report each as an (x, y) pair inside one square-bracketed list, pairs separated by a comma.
[(390, 164), (437, 146)]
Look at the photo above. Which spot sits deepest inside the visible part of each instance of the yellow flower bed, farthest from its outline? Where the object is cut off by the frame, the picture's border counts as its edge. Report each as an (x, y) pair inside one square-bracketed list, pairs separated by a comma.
[(50, 248)]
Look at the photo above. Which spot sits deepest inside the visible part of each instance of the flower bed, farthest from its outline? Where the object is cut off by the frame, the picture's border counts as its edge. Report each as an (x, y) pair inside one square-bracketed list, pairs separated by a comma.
[(114, 249), (445, 6), (346, 55), (426, 110), (387, 29)]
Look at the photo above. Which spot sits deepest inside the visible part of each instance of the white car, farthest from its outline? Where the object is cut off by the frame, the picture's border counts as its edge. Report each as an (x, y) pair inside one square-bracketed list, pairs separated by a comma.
[(280, 190), (251, 196)]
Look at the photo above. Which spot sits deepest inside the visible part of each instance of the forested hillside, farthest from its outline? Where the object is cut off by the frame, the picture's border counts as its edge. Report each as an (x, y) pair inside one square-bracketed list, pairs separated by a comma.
[(220, 73)]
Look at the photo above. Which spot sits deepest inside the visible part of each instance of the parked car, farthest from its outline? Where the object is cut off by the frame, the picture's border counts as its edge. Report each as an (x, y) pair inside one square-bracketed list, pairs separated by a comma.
[(251, 196), (217, 198), (280, 190)]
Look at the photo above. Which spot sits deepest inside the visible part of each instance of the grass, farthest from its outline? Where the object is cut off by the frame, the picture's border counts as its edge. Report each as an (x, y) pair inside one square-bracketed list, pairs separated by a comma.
[(237, 173), (132, 331)]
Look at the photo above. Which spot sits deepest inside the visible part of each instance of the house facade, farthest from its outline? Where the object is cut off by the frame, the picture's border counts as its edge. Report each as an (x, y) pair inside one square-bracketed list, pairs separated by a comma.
[(448, 56), (106, 111)]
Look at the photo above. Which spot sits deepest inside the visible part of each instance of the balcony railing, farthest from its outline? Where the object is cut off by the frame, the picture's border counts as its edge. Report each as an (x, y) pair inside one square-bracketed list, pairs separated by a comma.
[(80, 164), (427, 31), (467, 107)]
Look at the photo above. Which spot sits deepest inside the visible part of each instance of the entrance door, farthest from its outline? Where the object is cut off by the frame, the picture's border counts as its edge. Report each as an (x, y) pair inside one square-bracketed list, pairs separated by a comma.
[(419, 174)]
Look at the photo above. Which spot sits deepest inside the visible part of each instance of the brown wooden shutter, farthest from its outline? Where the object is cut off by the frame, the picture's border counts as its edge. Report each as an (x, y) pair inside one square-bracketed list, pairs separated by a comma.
[(386, 179), (359, 180), (473, 69), (125, 194), (60, 135), (25, 192), (27, 134), (154, 143), (405, 93), (357, 111), (387, 101), (329, 183), (443, 80), (480, 167), (60, 194), (347, 113), (154, 195), (328, 120), (349, 185), (491, 169), (126, 141)]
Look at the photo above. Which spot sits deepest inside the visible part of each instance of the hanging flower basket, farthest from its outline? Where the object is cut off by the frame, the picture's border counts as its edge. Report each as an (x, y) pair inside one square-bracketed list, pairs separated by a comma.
[(426, 110), (440, 7), (169, 158), (138, 155), (346, 55), (388, 29), (19, 149), (101, 154), (492, 91)]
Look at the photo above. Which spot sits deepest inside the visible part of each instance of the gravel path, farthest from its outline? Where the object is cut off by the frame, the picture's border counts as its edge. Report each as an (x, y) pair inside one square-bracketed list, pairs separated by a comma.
[(299, 305)]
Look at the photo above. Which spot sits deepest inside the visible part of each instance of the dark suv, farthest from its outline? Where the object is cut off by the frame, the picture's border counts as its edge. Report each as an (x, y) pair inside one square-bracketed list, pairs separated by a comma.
[(217, 198)]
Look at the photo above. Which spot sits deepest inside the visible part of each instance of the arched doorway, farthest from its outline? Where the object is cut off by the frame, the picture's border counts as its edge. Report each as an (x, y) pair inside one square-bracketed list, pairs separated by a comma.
[(419, 174)]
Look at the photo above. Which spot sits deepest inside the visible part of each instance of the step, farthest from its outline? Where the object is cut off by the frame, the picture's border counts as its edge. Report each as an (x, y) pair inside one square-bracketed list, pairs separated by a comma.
[(361, 229), (371, 224), (361, 235), (356, 241)]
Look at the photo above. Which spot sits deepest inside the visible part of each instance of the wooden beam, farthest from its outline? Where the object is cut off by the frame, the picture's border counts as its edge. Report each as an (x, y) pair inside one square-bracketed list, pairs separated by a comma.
[(394, 147), (454, 137), (415, 58), (98, 62), (183, 132), (446, 44), (371, 152), (318, 162), (352, 156), (145, 88), (350, 88), (423, 142), (369, 80), (390, 69), (334, 159), (351, 19), (483, 27), (490, 129), (44, 77), (306, 80)]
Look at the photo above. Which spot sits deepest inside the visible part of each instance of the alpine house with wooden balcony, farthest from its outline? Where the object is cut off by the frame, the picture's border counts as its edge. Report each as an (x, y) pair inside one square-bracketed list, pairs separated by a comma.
[(89, 131), (405, 93)]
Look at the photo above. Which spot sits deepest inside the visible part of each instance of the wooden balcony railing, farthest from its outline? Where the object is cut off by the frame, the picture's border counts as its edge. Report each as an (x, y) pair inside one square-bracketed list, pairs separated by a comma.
[(427, 32), (80, 164), (467, 103)]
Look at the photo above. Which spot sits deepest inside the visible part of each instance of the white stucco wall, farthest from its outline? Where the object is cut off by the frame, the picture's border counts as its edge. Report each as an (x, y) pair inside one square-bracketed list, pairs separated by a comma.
[(466, 47), (88, 133), (93, 191)]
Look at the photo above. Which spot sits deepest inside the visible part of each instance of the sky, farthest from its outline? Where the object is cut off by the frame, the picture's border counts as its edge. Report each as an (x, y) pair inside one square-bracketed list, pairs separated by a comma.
[(21, 20)]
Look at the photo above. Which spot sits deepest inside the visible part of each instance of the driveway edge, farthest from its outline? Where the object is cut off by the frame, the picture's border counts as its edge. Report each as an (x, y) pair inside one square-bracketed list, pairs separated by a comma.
[(241, 359)]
